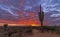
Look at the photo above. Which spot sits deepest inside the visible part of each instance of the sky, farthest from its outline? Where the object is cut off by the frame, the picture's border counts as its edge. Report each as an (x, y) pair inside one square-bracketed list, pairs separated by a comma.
[(25, 12)]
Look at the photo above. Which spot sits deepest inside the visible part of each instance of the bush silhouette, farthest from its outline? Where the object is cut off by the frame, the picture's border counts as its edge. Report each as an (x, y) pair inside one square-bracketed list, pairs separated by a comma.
[(5, 27)]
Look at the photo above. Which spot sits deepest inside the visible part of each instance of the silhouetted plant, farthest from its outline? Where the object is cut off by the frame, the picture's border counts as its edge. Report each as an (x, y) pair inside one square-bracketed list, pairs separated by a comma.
[(41, 16), (5, 27), (10, 33)]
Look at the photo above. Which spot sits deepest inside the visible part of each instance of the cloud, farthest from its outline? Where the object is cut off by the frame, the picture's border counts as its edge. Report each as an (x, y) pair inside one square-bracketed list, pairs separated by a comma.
[(28, 7), (55, 15), (6, 8), (48, 5)]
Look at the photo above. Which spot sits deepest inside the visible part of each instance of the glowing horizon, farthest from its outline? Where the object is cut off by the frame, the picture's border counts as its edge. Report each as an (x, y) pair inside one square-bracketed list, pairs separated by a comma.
[(2, 24)]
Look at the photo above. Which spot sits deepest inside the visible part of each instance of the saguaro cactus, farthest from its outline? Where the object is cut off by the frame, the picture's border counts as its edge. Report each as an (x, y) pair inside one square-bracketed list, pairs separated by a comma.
[(41, 16)]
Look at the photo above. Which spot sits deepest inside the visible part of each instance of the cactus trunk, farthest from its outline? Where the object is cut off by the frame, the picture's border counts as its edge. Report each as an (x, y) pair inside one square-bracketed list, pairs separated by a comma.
[(41, 16), (41, 23)]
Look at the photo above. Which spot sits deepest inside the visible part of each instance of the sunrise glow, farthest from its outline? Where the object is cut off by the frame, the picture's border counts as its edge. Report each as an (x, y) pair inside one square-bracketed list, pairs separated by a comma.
[(35, 25)]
